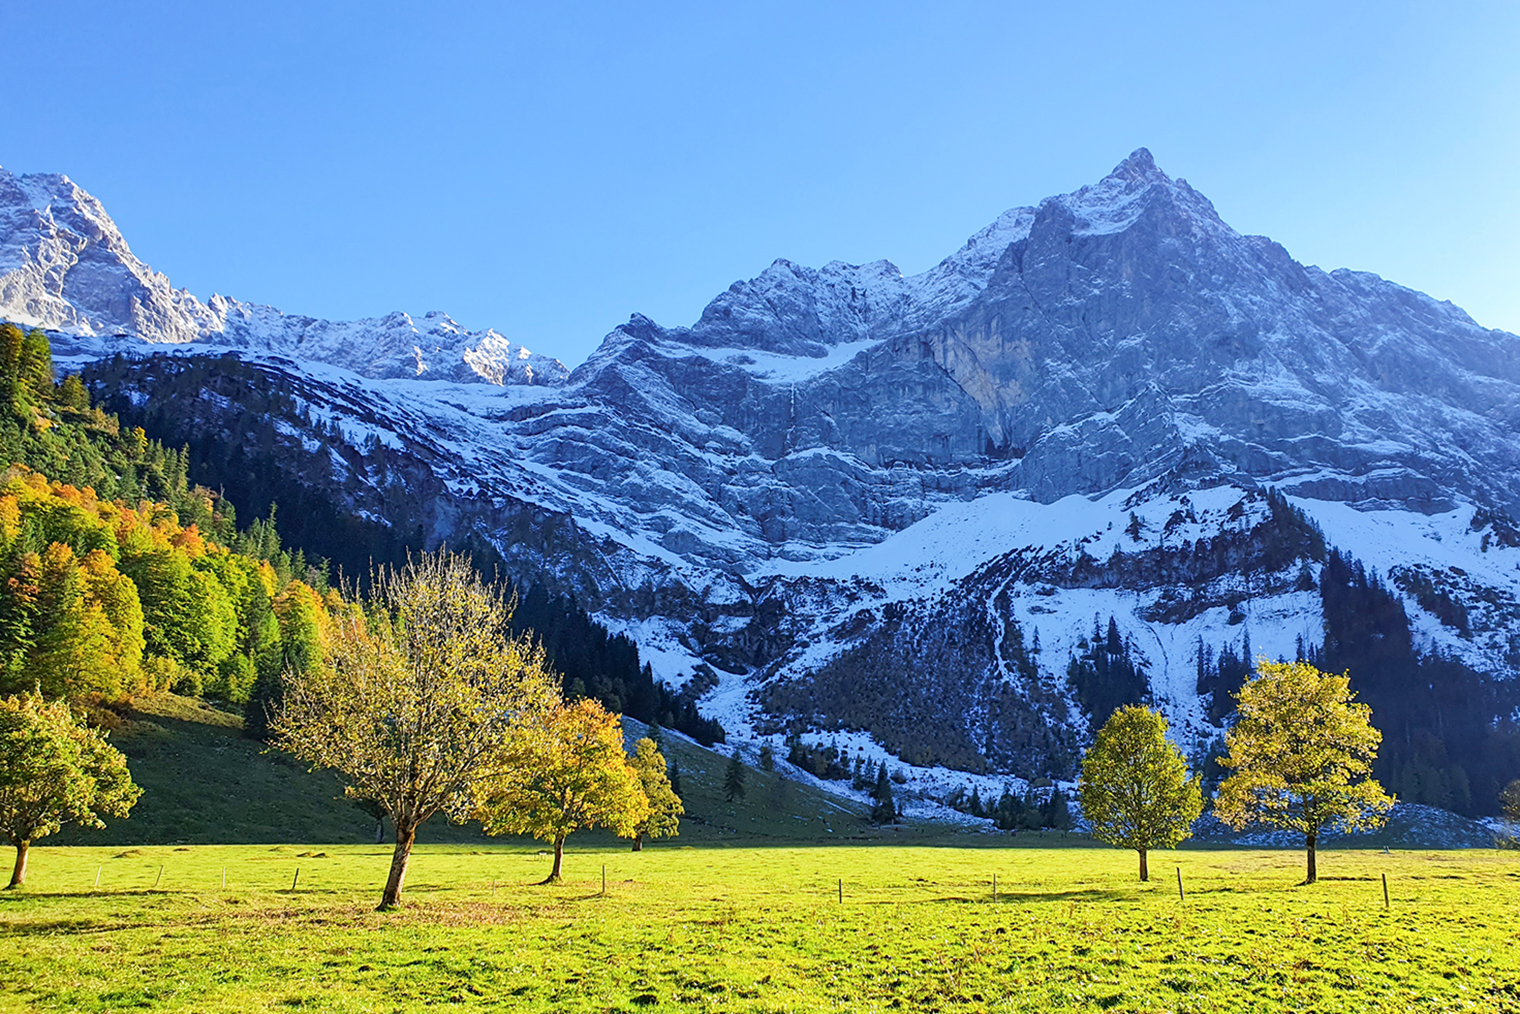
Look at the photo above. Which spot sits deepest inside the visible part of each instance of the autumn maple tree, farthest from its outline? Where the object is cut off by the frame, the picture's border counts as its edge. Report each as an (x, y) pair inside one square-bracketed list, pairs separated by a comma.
[(1301, 753), (55, 770), (416, 696), (561, 773), (665, 807)]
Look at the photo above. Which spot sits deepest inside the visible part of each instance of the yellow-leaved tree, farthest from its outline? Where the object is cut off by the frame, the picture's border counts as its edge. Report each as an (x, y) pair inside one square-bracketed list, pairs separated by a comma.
[(562, 773), (416, 696), (665, 807), (1301, 753)]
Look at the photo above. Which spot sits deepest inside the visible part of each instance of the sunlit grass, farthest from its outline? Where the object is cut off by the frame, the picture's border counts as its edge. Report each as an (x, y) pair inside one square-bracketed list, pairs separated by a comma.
[(760, 929)]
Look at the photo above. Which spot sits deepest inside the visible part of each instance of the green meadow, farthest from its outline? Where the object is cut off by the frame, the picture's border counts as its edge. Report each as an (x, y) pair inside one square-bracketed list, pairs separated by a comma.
[(786, 900), (780, 928)]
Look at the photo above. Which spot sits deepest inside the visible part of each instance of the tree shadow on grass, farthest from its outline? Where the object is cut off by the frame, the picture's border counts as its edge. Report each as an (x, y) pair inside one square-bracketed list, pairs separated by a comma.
[(73, 927), (136, 892), (1026, 897)]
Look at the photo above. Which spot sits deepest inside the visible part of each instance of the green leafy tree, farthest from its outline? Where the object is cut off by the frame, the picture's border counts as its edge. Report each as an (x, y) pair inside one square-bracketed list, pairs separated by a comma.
[(1134, 785), (417, 697), (733, 778), (665, 807), (562, 772), (54, 770), (291, 646), (1302, 754), (187, 614)]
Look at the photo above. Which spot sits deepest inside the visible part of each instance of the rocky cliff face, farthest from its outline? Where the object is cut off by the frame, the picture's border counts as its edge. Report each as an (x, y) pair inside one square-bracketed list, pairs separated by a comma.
[(1081, 411), (64, 266)]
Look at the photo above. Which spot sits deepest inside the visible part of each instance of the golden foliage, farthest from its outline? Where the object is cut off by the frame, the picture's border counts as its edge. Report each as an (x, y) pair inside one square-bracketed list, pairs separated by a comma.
[(1302, 754), (561, 773), (665, 807), (414, 698)]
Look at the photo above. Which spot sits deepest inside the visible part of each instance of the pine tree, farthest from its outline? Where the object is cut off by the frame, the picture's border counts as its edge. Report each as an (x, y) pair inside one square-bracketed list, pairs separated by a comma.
[(733, 778), (1056, 813), (675, 778), (883, 809)]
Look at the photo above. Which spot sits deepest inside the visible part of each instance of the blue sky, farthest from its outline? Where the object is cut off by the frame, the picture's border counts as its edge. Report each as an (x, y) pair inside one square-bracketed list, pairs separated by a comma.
[(547, 169)]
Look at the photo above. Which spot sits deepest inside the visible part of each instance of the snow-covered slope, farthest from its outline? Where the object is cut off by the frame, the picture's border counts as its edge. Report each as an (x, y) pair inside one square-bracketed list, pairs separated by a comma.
[(849, 498)]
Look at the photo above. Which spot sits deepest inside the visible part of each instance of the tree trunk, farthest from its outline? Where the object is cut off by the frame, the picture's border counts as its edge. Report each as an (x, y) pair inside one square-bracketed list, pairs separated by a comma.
[(1309, 843), (1145, 870), (380, 831), (559, 858), (18, 875), (406, 834), (638, 842)]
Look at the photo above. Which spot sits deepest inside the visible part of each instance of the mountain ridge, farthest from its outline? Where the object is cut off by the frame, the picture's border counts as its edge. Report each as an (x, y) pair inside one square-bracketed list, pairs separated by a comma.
[(78, 277), (725, 493)]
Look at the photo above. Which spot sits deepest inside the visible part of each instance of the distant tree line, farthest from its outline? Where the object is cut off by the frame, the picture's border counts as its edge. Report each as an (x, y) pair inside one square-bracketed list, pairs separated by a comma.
[(123, 576), (1031, 811)]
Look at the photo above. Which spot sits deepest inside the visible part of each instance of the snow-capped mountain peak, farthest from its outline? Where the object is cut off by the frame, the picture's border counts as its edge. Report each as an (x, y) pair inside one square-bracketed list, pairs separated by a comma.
[(65, 266)]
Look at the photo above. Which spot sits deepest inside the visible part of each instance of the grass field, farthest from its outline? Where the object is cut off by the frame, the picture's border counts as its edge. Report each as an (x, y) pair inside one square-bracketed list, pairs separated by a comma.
[(760, 929)]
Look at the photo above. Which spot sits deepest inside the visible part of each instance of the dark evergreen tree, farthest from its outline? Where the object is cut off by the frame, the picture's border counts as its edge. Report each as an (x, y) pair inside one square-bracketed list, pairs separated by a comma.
[(1056, 811), (733, 778), (883, 808), (674, 773), (1103, 675), (1439, 746)]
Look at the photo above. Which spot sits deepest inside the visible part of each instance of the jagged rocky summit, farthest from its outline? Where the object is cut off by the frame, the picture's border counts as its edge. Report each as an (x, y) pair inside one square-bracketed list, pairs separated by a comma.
[(881, 508), (65, 267)]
